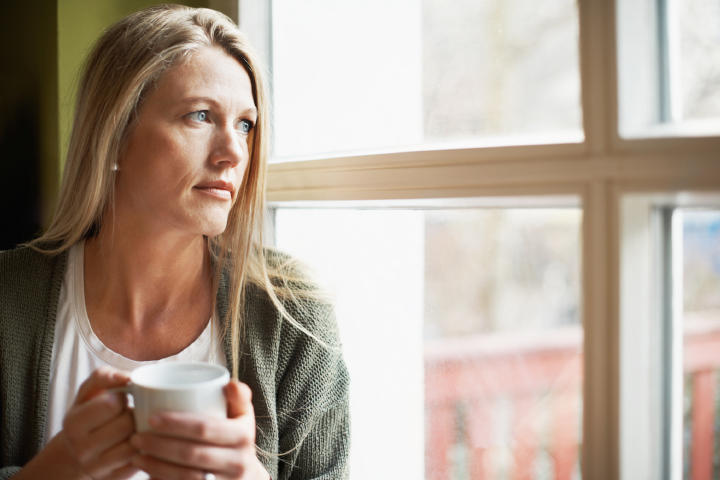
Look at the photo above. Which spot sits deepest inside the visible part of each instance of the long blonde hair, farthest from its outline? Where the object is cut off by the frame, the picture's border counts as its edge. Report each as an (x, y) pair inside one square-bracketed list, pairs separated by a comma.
[(128, 59)]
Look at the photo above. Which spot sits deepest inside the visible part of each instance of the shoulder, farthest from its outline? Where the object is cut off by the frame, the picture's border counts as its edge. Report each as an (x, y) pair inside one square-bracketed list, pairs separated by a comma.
[(25, 265), (300, 294), (24, 254), (27, 279), (289, 326), (291, 311)]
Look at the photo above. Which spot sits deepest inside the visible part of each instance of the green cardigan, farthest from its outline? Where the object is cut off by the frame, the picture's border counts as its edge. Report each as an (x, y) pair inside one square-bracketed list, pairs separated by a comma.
[(300, 387)]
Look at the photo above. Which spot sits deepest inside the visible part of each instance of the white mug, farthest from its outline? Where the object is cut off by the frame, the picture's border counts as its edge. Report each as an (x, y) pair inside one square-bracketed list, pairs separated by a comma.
[(179, 387)]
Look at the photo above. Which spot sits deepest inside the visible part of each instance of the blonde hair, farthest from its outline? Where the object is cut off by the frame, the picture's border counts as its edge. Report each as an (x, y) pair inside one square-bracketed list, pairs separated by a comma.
[(128, 59)]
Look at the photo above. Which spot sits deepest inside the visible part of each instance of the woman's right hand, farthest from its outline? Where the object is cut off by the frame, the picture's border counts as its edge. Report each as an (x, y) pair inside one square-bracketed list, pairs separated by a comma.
[(94, 440), (98, 426)]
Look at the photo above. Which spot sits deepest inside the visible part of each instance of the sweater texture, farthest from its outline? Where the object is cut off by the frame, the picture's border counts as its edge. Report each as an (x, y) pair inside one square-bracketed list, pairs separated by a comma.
[(300, 387)]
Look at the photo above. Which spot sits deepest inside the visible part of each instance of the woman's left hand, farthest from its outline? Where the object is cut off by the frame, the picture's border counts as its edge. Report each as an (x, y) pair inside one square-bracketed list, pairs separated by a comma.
[(223, 447)]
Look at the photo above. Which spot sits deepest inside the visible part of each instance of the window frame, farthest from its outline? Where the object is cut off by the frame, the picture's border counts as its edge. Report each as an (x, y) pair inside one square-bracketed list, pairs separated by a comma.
[(604, 170), (651, 340)]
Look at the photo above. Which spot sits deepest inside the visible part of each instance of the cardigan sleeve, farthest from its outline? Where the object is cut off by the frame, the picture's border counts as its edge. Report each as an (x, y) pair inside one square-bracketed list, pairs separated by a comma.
[(8, 472), (30, 284), (312, 398)]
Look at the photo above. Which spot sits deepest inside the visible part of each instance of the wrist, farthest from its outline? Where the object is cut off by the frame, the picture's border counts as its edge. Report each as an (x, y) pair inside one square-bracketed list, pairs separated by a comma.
[(55, 461), (262, 473)]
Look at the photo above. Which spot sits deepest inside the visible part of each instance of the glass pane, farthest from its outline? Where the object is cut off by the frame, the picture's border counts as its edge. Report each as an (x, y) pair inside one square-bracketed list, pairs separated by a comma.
[(701, 326), (700, 58), (395, 73), (462, 334), (668, 68)]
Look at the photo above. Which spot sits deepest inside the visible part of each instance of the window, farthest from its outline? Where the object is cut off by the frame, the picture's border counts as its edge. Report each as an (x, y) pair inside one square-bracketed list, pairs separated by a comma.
[(462, 333), (668, 53), (631, 165), (700, 340), (668, 334), (406, 73), (699, 28)]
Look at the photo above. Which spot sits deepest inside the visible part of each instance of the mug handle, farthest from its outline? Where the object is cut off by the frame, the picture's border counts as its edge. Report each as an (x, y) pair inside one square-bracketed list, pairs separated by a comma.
[(126, 389)]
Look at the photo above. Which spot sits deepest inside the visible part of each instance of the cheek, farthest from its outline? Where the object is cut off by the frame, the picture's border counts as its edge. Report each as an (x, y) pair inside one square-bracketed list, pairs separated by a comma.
[(158, 164), (242, 171)]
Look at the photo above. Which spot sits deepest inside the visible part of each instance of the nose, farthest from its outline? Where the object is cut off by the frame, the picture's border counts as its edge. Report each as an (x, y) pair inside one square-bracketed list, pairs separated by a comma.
[(229, 149)]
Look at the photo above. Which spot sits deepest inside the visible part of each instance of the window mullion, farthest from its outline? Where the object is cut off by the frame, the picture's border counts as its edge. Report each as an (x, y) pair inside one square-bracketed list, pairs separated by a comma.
[(601, 378), (597, 73)]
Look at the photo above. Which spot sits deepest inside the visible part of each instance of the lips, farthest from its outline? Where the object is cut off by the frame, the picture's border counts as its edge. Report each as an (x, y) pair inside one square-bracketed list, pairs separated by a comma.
[(218, 189)]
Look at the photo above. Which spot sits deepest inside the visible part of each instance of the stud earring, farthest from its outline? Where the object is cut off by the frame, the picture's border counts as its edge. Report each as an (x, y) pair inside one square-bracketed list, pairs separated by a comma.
[(114, 167)]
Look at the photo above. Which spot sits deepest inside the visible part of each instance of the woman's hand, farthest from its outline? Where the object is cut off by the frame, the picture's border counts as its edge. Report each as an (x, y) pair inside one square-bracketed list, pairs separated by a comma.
[(224, 447), (94, 441), (98, 426)]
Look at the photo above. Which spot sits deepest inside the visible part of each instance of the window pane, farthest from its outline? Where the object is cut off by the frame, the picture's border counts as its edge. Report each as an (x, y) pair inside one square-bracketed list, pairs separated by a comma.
[(462, 334), (700, 58), (668, 67), (701, 325), (351, 76)]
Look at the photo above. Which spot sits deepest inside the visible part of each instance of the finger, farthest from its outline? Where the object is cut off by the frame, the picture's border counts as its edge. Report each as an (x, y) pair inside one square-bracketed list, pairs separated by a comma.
[(192, 454), (101, 379), (94, 444), (82, 419), (157, 469), (205, 429), (115, 458), (239, 399), (126, 472)]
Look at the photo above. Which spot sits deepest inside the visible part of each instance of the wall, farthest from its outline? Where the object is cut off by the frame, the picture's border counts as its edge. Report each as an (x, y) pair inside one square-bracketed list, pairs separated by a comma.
[(28, 117)]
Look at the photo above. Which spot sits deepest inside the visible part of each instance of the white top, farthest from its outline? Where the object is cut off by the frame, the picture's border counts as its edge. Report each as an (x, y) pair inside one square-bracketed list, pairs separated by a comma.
[(77, 351)]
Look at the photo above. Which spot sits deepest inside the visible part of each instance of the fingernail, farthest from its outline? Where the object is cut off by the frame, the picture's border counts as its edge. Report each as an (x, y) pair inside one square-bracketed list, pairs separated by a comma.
[(155, 421), (113, 399)]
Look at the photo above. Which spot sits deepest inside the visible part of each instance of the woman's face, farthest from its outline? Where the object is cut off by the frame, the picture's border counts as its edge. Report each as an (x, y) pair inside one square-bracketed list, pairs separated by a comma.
[(186, 156)]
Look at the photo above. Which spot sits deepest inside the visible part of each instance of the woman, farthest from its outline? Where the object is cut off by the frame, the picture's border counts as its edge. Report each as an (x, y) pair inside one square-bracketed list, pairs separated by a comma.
[(155, 254)]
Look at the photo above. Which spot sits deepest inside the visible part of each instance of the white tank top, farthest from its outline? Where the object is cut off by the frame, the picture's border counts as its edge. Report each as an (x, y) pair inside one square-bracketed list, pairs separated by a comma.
[(77, 351)]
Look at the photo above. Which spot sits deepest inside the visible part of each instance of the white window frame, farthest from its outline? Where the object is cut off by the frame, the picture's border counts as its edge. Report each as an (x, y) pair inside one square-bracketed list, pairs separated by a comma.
[(651, 340), (619, 181)]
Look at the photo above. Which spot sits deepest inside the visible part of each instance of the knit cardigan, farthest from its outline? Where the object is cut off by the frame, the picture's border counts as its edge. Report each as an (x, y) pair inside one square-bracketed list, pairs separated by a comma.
[(300, 387)]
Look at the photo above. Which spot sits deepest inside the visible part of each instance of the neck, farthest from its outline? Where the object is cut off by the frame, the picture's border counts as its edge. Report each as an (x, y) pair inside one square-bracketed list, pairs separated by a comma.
[(145, 276)]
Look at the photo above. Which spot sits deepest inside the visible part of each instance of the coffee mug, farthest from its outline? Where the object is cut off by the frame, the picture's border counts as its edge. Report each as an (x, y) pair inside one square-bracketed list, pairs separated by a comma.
[(179, 387)]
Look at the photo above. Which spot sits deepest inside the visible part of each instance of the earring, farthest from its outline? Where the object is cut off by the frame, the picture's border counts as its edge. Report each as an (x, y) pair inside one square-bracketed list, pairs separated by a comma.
[(114, 167)]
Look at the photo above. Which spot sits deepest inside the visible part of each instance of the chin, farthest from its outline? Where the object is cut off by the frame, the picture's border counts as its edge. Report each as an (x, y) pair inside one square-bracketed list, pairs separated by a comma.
[(214, 230), (213, 222), (216, 227)]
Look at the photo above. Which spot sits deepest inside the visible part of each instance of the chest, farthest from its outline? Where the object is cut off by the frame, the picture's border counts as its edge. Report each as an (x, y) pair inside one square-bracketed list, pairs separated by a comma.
[(159, 336)]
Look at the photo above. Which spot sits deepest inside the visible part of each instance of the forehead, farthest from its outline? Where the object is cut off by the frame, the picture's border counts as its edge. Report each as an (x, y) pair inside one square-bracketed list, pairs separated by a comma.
[(212, 73)]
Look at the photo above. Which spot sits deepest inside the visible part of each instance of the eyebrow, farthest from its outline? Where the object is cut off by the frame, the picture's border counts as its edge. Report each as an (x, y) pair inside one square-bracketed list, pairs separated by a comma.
[(247, 111)]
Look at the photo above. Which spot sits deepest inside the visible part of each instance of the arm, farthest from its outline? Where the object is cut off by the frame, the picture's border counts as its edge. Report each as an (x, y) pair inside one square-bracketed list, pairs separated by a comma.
[(312, 403), (324, 447), (53, 461)]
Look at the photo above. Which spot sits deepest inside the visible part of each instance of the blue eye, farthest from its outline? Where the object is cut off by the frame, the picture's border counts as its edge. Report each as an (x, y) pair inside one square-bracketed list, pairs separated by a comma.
[(245, 126), (200, 116)]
